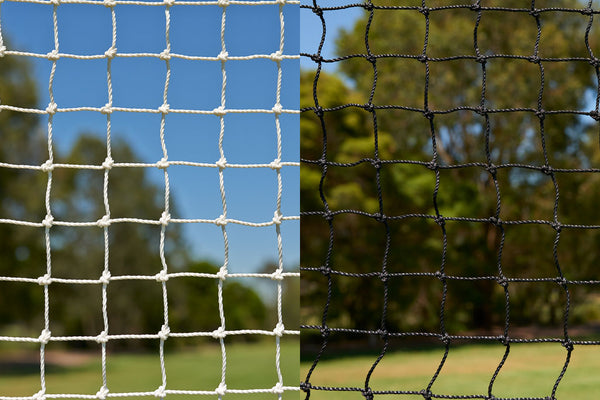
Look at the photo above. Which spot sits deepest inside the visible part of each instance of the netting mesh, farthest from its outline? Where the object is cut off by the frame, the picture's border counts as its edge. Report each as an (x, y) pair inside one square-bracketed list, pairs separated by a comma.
[(412, 264), (280, 274)]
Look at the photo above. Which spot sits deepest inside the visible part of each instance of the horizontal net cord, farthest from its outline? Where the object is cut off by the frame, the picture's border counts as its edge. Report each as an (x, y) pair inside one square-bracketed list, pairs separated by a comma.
[(169, 3), (159, 164), (105, 110)]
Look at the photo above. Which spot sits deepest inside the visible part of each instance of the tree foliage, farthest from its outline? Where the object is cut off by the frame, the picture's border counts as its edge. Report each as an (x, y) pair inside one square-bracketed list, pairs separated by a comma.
[(469, 191)]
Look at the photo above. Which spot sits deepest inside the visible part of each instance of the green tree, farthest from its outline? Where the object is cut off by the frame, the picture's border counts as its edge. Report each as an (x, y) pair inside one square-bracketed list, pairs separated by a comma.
[(416, 244)]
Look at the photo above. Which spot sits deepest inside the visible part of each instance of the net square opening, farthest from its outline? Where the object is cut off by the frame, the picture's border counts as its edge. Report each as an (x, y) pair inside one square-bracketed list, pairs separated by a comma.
[(492, 37), (257, 92), (135, 307), (251, 249), (250, 131), (251, 194), (92, 22), (138, 90), (189, 79), (192, 138), (77, 194), (195, 22), (136, 138), (196, 201), (252, 30), (466, 192), (416, 246), (28, 20), (24, 193), (454, 84), (76, 310), (406, 189), (77, 252), (134, 248), (80, 83), (517, 260), (512, 84), (140, 29), (24, 251)]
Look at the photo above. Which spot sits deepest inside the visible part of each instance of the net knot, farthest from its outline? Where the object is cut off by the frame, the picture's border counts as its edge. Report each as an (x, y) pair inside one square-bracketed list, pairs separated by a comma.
[(48, 220), (325, 331), (546, 169), (305, 386), (222, 274), (384, 276), (103, 222), (481, 110), (426, 393), (422, 57), (371, 58), (109, 3), (164, 109), (595, 62), (382, 333), (108, 163), (368, 393), (41, 395), (376, 163), (162, 276), (535, 59), (102, 337), (424, 11), (319, 11), (328, 216), (445, 338), (440, 220), (279, 328), (52, 108), (277, 109), (218, 333), (557, 226), (47, 166), (275, 164), (165, 55), (276, 56), (2, 51), (475, 7), (221, 389), (223, 3), (319, 111), (541, 114), (595, 115), (112, 52), (160, 392), (491, 168), (221, 163), (504, 340), (163, 163), (587, 11), (428, 114), (277, 275), (44, 280), (278, 388), (432, 165), (561, 280), (481, 59), (221, 221), (325, 270), (440, 276), (495, 221), (169, 3), (102, 393), (219, 111), (106, 109), (277, 218), (502, 281), (534, 13), (380, 217), (316, 58), (164, 332), (45, 336), (369, 107), (55, 2), (223, 56), (53, 55), (568, 344), (165, 218), (105, 277)]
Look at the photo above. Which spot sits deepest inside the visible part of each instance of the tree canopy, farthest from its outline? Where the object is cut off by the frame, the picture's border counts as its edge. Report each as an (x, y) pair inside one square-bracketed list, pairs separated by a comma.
[(404, 133)]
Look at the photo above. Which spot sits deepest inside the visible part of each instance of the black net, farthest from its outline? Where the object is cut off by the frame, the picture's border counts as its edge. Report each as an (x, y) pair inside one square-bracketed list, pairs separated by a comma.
[(450, 170)]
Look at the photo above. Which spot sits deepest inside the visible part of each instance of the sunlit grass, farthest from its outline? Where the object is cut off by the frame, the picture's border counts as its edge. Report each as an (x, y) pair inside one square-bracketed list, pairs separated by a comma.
[(530, 371), (249, 366)]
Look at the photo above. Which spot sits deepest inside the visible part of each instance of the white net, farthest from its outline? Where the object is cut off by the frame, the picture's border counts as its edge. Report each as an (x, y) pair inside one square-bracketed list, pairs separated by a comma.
[(281, 273)]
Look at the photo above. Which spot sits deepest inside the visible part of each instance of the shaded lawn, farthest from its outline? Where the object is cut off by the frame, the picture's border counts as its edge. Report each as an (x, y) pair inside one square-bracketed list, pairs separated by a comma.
[(249, 366), (530, 371)]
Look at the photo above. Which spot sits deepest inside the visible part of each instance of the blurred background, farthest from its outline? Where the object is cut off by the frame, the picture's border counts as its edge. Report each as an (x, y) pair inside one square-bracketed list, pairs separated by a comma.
[(524, 248)]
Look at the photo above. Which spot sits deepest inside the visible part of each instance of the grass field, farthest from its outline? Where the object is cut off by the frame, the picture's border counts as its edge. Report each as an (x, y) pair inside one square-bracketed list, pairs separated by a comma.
[(530, 371), (249, 366)]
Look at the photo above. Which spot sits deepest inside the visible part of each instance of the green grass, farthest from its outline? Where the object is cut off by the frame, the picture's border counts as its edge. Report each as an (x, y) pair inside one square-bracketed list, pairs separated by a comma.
[(249, 366), (530, 371)]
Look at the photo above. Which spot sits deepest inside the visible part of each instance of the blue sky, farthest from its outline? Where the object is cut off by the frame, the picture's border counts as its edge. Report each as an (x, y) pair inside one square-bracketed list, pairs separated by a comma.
[(139, 82)]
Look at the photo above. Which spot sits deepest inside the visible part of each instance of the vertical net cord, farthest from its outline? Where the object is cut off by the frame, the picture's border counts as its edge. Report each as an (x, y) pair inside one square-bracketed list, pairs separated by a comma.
[(368, 393), (108, 163), (46, 335), (222, 388), (163, 277), (279, 328), (326, 267)]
